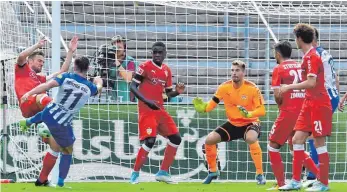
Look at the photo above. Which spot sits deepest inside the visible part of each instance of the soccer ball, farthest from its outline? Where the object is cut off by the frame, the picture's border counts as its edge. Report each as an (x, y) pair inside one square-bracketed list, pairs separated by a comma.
[(43, 130)]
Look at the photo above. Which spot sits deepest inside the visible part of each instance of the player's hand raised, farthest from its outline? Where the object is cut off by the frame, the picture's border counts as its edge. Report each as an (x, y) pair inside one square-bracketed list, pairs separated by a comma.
[(41, 42), (73, 44), (244, 112), (180, 87), (199, 105), (152, 104)]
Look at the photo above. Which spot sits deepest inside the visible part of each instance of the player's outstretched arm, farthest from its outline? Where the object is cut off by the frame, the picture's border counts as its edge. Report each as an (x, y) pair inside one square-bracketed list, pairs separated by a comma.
[(40, 89), (134, 89), (22, 57), (65, 67), (179, 90)]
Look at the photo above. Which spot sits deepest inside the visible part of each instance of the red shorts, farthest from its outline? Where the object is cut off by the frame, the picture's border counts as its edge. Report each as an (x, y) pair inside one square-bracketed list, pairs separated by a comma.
[(283, 128), (31, 107), (315, 117), (158, 121)]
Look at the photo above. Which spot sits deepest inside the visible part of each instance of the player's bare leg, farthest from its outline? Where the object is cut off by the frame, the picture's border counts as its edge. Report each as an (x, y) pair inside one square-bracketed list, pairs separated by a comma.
[(42, 100), (299, 139), (251, 137), (323, 175), (169, 156), (64, 164), (211, 156)]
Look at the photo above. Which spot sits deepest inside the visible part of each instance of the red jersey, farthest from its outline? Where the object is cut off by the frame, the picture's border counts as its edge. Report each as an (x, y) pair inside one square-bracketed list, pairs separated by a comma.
[(288, 72), (26, 79), (155, 79), (312, 66)]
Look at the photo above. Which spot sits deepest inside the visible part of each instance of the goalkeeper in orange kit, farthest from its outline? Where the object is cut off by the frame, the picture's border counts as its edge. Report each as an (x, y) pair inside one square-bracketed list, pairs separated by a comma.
[(244, 105)]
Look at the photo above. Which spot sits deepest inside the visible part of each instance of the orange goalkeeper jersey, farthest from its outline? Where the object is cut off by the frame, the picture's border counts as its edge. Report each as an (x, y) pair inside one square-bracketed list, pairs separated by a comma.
[(248, 96)]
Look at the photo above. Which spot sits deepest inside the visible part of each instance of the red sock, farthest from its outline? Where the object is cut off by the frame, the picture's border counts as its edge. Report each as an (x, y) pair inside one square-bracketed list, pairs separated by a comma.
[(277, 165), (298, 160), (310, 165), (169, 156), (323, 158), (141, 157), (48, 164)]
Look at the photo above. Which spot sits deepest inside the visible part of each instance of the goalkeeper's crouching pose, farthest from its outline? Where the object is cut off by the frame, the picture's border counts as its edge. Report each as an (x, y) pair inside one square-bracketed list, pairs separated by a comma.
[(244, 104)]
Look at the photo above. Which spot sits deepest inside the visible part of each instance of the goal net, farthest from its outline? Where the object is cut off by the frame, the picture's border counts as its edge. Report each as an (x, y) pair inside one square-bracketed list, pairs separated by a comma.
[(202, 38)]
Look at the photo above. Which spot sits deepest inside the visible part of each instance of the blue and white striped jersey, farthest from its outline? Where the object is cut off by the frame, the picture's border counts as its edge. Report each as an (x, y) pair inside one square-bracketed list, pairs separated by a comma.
[(329, 72), (74, 92)]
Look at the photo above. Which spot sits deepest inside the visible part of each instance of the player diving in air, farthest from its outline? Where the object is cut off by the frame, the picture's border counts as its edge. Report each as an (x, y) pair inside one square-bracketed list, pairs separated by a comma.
[(28, 76), (74, 91)]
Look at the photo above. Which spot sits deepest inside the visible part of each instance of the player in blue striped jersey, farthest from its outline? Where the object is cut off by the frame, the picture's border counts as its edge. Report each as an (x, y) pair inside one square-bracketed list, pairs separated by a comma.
[(74, 92)]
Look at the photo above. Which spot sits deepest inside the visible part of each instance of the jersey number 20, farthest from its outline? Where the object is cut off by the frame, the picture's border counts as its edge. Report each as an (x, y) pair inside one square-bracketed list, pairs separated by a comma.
[(297, 77)]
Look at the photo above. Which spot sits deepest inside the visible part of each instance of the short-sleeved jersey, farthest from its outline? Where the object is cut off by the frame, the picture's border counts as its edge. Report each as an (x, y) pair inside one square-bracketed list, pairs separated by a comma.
[(248, 96), (74, 92), (329, 72), (26, 79), (155, 79), (288, 72), (312, 66)]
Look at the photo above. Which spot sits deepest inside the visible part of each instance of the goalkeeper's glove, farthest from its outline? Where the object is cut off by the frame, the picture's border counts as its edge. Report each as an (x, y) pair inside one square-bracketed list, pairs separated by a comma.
[(244, 112), (199, 105)]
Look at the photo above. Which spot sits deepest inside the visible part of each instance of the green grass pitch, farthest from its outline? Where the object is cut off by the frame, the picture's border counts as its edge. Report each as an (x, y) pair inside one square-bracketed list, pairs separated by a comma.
[(152, 187)]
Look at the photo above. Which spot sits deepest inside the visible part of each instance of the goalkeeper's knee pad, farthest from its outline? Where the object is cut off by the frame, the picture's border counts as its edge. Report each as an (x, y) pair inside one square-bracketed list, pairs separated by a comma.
[(205, 159)]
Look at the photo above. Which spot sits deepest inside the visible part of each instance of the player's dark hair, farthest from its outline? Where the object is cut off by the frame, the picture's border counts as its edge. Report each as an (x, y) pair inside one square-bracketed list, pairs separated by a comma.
[(305, 32), (160, 44), (37, 52), (316, 33), (284, 48), (239, 63), (82, 63)]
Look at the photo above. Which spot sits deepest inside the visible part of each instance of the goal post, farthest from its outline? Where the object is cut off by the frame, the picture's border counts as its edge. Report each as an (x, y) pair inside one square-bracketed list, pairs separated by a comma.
[(202, 39)]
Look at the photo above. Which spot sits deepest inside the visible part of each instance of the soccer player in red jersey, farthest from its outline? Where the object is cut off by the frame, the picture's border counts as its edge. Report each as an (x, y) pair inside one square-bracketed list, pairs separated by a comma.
[(28, 76), (286, 72), (148, 83), (316, 113)]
